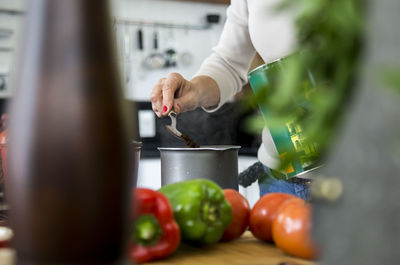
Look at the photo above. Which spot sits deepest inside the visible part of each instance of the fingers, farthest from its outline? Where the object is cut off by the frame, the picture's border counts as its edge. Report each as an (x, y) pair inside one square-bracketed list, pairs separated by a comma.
[(173, 92), (156, 97), (185, 103), (173, 83)]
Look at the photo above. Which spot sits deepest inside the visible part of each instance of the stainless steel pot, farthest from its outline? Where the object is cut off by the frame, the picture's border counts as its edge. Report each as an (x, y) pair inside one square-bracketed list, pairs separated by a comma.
[(218, 163)]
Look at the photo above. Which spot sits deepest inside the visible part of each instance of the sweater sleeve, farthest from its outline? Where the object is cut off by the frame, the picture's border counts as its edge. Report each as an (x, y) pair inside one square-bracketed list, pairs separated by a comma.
[(231, 58)]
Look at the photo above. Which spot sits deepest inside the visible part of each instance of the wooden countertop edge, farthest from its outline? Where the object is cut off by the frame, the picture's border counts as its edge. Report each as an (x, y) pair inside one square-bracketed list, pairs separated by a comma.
[(246, 250)]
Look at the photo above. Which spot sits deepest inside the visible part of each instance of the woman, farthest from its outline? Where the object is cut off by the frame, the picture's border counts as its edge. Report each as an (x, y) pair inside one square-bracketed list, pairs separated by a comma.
[(251, 26)]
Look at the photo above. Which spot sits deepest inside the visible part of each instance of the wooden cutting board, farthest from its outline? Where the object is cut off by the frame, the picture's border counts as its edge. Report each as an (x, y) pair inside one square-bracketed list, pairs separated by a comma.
[(246, 250)]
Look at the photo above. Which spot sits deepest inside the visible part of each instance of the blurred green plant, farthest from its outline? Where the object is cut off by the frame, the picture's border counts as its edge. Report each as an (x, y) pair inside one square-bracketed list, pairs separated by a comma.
[(330, 35)]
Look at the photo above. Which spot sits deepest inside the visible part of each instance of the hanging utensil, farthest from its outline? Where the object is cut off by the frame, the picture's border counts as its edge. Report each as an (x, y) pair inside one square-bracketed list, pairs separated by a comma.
[(155, 60), (141, 60), (170, 53), (172, 129), (185, 58), (170, 58), (140, 39)]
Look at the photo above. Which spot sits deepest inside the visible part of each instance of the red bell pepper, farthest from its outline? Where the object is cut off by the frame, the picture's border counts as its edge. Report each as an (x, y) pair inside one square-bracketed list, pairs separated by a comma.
[(155, 234)]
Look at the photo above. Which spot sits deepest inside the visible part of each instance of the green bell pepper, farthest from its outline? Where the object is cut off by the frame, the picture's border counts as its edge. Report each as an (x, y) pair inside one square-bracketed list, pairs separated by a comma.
[(200, 210)]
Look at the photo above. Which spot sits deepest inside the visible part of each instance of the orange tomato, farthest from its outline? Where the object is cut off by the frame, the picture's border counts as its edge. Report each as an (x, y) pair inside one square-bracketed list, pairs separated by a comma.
[(291, 229), (263, 214)]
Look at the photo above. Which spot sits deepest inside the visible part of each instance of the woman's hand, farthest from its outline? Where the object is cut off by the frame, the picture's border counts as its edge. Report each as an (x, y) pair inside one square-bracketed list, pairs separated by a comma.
[(183, 95)]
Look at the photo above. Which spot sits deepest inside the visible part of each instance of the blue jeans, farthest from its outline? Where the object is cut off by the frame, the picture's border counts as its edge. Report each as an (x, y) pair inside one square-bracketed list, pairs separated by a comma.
[(295, 186)]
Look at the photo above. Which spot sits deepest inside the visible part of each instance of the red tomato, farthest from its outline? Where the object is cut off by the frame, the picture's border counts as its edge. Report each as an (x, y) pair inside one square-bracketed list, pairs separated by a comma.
[(291, 229), (240, 215), (263, 214)]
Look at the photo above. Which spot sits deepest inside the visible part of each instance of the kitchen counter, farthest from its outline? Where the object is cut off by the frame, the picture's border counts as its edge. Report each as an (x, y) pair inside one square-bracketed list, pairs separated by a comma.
[(246, 250)]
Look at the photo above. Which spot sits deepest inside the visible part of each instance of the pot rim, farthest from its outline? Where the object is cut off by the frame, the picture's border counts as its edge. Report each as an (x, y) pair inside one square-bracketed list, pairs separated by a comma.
[(205, 147)]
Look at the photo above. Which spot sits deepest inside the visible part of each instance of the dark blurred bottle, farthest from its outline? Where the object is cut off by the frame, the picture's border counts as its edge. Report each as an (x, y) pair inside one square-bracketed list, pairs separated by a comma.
[(69, 185)]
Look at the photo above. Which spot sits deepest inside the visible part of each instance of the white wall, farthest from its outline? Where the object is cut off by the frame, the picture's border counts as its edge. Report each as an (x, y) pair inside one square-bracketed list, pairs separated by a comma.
[(140, 80)]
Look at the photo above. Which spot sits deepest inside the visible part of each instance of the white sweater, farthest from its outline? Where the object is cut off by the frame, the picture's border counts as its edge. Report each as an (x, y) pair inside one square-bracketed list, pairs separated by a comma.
[(251, 25)]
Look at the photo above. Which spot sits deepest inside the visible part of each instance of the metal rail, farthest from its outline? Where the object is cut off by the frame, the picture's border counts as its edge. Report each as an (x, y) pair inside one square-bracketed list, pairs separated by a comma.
[(161, 24)]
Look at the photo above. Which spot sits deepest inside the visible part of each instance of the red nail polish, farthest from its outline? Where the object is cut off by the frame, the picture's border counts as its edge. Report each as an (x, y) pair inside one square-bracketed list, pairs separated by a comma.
[(164, 109)]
